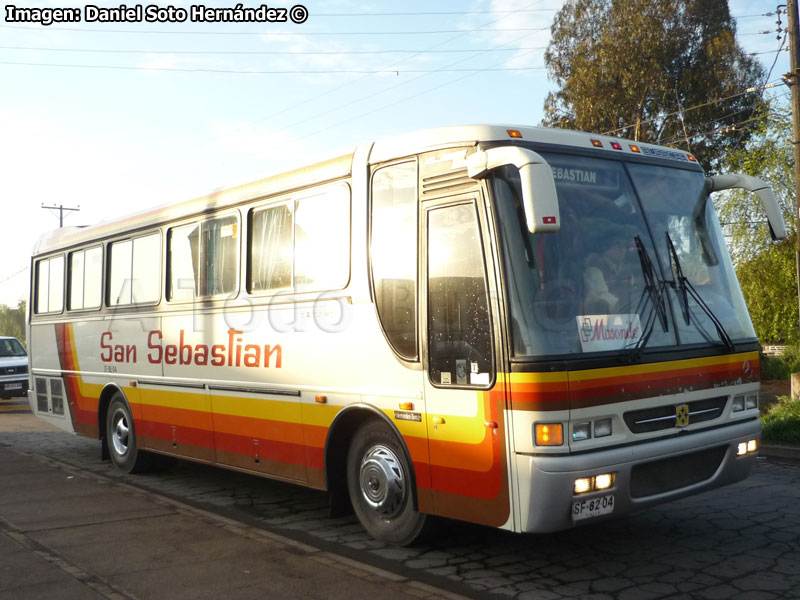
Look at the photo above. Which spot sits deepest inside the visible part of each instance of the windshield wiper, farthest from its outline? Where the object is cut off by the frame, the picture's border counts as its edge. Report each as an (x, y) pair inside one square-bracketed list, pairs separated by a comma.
[(654, 289), (653, 284), (681, 284)]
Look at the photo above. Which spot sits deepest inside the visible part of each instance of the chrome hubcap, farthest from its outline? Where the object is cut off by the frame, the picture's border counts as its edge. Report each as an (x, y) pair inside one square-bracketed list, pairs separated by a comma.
[(382, 481), (120, 433)]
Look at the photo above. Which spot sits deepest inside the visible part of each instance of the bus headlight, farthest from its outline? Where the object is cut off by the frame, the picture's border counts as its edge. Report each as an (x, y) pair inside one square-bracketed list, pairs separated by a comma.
[(745, 402), (581, 431), (602, 428)]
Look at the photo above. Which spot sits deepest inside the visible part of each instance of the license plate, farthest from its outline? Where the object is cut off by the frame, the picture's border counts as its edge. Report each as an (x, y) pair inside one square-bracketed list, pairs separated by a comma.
[(592, 507), (13, 386)]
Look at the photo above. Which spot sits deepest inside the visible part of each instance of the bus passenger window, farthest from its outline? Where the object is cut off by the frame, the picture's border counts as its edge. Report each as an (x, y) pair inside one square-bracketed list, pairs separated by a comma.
[(50, 285), (203, 259), (85, 278), (322, 241), (135, 271), (271, 248), (459, 331), (221, 250), (302, 245), (394, 254), (184, 257)]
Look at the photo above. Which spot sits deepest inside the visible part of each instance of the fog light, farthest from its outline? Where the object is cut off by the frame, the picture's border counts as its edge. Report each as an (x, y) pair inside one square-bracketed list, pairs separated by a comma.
[(752, 445), (549, 434), (604, 481), (738, 403), (741, 449), (751, 401), (581, 431), (583, 485), (602, 428)]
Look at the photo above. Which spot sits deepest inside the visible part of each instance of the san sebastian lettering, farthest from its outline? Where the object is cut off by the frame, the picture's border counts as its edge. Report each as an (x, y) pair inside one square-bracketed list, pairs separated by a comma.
[(235, 353)]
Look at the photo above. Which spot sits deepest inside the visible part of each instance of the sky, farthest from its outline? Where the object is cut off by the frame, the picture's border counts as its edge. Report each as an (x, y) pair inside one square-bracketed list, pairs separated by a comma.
[(114, 118)]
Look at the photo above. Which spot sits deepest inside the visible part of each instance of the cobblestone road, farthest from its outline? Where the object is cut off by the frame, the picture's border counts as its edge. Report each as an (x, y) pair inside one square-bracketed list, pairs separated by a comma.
[(741, 542)]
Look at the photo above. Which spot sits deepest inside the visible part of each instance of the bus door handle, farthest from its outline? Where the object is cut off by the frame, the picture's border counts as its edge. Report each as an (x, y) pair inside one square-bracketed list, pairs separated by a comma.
[(438, 421)]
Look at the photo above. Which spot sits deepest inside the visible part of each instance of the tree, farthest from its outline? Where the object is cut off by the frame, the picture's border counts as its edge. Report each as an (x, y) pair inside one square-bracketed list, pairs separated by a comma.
[(661, 71), (769, 285), (767, 271), (12, 321), (769, 156)]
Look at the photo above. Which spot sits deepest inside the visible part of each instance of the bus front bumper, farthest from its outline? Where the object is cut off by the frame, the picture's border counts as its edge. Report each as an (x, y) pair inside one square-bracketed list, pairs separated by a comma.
[(643, 475)]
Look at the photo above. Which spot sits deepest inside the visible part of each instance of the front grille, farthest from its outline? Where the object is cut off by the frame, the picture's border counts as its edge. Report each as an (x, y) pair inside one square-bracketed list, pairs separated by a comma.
[(657, 477), (665, 417), (13, 370)]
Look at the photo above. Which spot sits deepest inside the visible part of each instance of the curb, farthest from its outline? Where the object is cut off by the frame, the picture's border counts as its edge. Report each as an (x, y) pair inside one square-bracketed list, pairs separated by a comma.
[(780, 452)]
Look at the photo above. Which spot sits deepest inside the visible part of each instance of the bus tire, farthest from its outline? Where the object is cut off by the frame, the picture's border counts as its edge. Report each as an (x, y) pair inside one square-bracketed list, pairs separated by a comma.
[(121, 438), (380, 485)]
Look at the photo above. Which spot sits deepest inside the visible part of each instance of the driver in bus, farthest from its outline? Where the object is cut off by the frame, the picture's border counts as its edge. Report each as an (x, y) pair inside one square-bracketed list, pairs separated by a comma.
[(607, 278)]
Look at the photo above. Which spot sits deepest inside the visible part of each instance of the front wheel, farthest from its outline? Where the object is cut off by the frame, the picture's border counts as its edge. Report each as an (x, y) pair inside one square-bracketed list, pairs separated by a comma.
[(121, 438), (380, 484)]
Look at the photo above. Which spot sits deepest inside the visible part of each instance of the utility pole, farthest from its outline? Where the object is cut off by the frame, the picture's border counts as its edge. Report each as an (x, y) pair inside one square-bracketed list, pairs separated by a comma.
[(61, 208), (793, 80)]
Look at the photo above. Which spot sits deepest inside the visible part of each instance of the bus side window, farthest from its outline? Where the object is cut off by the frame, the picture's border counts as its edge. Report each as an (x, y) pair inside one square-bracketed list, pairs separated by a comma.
[(394, 254), (50, 285), (85, 278), (203, 259), (135, 271), (459, 331), (271, 248), (302, 245)]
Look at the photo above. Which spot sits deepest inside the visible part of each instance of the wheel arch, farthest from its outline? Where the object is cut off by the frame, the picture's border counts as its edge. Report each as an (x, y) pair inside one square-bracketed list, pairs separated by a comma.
[(337, 444)]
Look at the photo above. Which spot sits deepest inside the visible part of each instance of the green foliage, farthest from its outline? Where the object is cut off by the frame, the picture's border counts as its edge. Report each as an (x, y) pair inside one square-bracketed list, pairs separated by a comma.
[(634, 67), (782, 422), (769, 156), (781, 367), (12, 321), (769, 285)]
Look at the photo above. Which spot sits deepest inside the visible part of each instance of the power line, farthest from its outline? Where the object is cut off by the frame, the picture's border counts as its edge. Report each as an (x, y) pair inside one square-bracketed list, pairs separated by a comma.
[(10, 277), (296, 105), (264, 52), (749, 90), (268, 72)]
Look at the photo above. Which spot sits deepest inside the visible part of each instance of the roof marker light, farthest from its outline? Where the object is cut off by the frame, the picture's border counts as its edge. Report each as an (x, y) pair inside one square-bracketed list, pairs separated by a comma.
[(597, 143), (514, 133), (616, 145), (634, 148), (691, 157)]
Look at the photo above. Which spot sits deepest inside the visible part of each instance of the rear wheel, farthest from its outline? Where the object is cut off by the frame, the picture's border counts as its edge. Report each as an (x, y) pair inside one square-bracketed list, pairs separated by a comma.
[(380, 484), (121, 438)]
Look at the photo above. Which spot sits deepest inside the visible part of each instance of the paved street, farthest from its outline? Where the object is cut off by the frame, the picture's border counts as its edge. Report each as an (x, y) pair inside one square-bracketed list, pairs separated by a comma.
[(742, 542)]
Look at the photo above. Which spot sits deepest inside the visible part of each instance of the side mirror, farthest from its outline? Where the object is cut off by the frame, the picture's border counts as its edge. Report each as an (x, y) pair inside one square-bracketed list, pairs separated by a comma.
[(777, 227), (539, 197)]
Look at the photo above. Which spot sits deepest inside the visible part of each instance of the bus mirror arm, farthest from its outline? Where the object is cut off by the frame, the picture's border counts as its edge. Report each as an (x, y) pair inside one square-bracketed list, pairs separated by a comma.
[(539, 197), (777, 226)]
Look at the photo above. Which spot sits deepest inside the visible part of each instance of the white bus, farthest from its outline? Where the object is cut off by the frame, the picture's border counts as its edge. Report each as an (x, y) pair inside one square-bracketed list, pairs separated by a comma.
[(526, 328)]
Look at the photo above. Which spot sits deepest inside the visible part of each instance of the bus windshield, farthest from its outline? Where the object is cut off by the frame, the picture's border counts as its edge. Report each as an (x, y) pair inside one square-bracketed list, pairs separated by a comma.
[(639, 262)]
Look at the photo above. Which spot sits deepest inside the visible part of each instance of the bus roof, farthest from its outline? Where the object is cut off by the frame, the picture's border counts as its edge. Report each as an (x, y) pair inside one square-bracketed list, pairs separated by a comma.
[(341, 166)]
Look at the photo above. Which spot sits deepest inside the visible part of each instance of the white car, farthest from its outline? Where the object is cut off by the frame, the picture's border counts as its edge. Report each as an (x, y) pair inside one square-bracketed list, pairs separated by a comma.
[(13, 368)]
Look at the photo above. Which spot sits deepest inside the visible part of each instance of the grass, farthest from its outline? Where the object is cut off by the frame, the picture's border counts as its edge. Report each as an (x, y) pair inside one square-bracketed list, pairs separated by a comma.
[(781, 423)]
